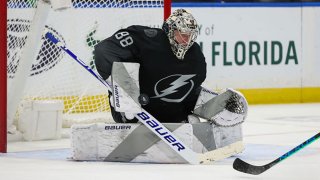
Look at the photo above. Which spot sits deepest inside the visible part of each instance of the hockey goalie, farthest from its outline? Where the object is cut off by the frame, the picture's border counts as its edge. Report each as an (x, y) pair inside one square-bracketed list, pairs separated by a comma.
[(161, 71)]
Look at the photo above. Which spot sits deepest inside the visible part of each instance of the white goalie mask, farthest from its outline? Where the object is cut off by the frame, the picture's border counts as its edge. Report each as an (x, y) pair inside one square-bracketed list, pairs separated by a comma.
[(182, 31)]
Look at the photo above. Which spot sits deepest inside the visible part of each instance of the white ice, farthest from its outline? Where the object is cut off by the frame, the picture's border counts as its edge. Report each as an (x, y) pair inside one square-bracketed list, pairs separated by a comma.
[(269, 132)]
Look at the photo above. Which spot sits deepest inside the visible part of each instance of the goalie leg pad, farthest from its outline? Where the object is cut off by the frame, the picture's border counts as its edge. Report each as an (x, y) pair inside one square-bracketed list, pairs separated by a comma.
[(135, 143)]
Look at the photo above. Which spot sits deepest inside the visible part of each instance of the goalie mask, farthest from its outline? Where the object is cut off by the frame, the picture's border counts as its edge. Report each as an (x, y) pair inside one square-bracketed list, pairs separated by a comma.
[(182, 31)]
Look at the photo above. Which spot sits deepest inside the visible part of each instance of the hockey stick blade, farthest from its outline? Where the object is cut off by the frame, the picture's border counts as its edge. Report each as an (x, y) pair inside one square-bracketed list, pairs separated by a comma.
[(242, 166), (245, 167)]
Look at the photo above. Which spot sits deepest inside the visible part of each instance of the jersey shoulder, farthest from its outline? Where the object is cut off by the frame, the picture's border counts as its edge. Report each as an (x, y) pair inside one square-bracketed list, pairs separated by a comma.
[(196, 46), (196, 51), (144, 31)]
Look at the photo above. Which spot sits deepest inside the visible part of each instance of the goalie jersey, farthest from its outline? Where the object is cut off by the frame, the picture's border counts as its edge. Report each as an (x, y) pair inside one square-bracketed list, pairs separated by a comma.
[(172, 85)]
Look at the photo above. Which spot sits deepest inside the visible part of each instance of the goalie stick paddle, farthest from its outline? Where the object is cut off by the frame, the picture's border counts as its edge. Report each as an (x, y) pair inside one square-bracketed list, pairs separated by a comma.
[(245, 167), (144, 117)]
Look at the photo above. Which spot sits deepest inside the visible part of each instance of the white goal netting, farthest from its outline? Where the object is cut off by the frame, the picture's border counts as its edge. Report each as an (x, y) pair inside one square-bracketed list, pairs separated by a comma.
[(53, 75)]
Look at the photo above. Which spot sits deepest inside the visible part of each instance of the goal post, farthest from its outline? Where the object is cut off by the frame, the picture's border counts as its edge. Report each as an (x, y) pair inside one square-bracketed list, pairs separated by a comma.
[(166, 9), (49, 74), (3, 78), (32, 42)]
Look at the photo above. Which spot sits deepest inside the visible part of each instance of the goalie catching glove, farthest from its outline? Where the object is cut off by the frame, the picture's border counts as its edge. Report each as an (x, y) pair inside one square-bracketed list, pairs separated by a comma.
[(226, 109)]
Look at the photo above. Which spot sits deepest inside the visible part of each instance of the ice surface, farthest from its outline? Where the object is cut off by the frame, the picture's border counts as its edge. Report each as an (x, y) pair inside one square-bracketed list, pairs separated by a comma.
[(269, 132)]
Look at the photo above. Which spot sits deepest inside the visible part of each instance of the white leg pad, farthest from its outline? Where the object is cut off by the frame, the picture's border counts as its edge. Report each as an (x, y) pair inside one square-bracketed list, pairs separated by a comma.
[(135, 143)]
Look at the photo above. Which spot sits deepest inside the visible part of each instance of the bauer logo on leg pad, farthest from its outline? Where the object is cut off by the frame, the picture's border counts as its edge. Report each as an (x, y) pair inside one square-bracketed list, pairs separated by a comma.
[(117, 127), (161, 131)]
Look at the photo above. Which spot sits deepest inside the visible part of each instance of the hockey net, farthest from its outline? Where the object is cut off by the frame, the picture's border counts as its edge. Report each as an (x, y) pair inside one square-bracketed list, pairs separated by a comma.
[(52, 74)]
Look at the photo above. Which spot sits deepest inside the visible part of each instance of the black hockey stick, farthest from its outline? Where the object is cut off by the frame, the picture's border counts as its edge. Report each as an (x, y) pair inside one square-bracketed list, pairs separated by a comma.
[(242, 166)]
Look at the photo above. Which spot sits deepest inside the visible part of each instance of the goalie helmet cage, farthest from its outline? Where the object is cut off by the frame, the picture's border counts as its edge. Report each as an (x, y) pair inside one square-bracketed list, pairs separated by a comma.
[(52, 74)]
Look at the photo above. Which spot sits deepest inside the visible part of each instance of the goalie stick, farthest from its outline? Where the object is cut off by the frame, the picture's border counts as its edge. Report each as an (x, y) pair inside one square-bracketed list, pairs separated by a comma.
[(244, 167), (156, 127)]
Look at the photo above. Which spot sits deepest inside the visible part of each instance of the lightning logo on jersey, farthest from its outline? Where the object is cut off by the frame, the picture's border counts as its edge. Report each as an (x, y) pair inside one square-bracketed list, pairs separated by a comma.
[(180, 81)]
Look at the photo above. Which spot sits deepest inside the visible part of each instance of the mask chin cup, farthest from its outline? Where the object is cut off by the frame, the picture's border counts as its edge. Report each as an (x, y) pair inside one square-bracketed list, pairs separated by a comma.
[(181, 51)]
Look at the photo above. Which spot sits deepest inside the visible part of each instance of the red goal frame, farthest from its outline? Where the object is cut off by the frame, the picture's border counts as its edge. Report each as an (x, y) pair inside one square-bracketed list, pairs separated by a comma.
[(3, 77)]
